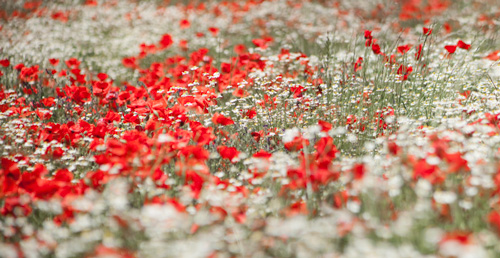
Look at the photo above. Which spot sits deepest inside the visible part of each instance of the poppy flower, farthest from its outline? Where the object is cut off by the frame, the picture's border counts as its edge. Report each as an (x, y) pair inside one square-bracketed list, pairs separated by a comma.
[(72, 63), (19, 66), (427, 31), (296, 144), (4, 62), (493, 56), (54, 62), (166, 41), (230, 153), (13, 205), (48, 102), (494, 220), (326, 150), (357, 65), (257, 135), (463, 45), (368, 38), (102, 76), (368, 34), (214, 31), (184, 24), (129, 62), (358, 171), (262, 154), (183, 44), (43, 114), (29, 74), (251, 113), (240, 49), (262, 42), (91, 3), (240, 93), (325, 126), (376, 49), (219, 119), (403, 49), (450, 48)]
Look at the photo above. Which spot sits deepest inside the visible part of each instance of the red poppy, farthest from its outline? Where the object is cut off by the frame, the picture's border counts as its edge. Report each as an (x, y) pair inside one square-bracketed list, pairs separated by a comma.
[(456, 162), (357, 65), (14, 206), (72, 63), (358, 171), (403, 49), (368, 38), (240, 49), (4, 62), (48, 102), (166, 41), (427, 31), (129, 62), (325, 126), (101, 88), (251, 113), (54, 61), (351, 119), (43, 114), (394, 149), (493, 56), (240, 93), (230, 153), (404, 71), (494, 220), (29, 74), (376, 49), (63, 175), (19, 66), (422, 169), (102, 76), (80, 94), (368, 34), (184, 24), (325, 149), (463, 45), (262, 154), (104, 251), (257, 135), (219, 119), (296, 144), (91, 3), (196, 152), (450, 48), (214, 31), (183, 44), (262, 42), (9, 177)]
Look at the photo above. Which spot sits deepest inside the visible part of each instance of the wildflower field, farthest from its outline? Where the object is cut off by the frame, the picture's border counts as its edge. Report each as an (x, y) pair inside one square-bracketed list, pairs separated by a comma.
[(280, 128)]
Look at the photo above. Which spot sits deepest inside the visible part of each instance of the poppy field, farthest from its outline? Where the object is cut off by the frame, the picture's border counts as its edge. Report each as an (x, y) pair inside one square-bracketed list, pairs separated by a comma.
[(252, 128)]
